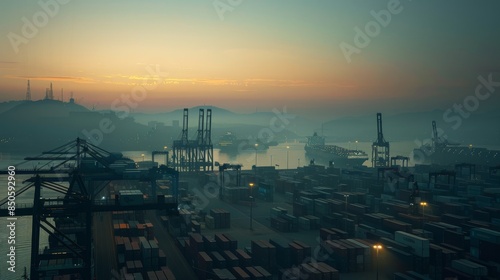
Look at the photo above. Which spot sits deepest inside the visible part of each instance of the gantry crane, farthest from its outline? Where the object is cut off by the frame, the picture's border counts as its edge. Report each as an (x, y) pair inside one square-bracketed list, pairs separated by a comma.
[(380, 148), (222, 169), (194, 155), (80, 172)]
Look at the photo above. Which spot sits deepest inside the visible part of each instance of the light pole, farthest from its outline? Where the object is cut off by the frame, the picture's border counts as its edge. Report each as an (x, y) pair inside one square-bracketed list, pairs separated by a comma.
[(251, 205), (271, 160), (166, 156), (345, 220), (299, 163), (287, 148), (356, 145), (256, 146), (423, 204), (377, 247), (142, 155)]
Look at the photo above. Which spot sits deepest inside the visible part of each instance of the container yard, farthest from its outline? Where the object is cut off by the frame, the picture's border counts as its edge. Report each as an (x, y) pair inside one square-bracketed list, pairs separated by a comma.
[(313, 222)]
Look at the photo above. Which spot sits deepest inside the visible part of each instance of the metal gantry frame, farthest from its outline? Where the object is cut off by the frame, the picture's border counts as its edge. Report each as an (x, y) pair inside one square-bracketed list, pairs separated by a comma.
[(404, 161), (222, 169), (380, 148), (207, 143), (195, 155), (450, 175), (154, 153), (181, 148), (81, 165)]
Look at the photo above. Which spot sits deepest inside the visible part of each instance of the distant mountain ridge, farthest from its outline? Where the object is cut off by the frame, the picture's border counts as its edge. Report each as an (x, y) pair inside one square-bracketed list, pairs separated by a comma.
[(46, 108), (69, 119)]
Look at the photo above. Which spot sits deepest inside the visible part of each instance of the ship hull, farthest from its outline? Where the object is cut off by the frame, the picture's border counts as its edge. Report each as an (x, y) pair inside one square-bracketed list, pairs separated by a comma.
[(238, 146), (324, 156), (456, 155)]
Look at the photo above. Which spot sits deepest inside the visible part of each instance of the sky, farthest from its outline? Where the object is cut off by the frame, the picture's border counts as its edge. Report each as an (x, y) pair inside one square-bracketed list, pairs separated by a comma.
[(251, 55)]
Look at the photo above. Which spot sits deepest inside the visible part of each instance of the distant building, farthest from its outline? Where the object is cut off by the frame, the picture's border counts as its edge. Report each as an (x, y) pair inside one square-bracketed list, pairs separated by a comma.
[(156, 125)]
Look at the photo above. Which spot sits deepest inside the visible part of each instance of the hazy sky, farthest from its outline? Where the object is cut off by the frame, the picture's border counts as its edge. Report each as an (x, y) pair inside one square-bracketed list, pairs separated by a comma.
[(254, 55)]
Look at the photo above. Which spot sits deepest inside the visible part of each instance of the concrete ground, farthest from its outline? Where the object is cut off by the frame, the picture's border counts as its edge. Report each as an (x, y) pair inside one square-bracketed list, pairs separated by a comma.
[(104, 246), (175, 260)]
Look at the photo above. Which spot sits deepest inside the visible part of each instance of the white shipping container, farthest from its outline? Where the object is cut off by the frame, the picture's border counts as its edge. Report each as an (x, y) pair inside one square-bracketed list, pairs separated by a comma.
[(484, 234), (275, 212), (131, 198), (469, 267), (419, 245)]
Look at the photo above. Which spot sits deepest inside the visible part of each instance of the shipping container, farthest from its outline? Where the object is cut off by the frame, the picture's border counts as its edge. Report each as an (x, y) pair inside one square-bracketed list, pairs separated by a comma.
[(240, 273), (266, 275), (282, 251), (209, 243), (131, 197), (310, 272), (419, 245), (469, 267), (160, 275), (244, 259), (306, 248), (168, 273), (449, 272), (218, 260), (485, 235), (393, 225), (151, 275), (233, 243), (231, 259), (222, 242), (223, 274), (196, 243), (254, 274), (296, 253)]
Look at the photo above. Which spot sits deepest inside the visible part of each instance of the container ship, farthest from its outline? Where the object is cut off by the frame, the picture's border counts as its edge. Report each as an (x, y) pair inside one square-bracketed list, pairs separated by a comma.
[(316, 149), (229, 143), (443, 152), (451, 154)]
